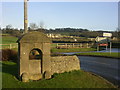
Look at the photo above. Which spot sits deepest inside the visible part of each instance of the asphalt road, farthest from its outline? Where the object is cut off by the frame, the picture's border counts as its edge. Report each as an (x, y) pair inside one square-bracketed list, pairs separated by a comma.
[(105, 67)]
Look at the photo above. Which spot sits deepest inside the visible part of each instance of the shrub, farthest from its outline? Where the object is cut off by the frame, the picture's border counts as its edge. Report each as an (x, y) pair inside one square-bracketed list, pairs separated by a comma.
[(9, 55)]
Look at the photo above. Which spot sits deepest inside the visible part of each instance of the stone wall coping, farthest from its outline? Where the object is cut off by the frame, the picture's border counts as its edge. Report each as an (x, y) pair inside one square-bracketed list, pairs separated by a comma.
[(63, 58), (34, 37)]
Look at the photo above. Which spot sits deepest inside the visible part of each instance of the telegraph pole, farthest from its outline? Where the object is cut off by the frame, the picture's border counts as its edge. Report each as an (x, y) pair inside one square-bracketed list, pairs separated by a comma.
[(25, 17)]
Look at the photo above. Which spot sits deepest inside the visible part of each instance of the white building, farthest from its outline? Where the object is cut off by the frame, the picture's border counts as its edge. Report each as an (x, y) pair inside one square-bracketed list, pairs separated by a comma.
[(98, 39), (54, 35)]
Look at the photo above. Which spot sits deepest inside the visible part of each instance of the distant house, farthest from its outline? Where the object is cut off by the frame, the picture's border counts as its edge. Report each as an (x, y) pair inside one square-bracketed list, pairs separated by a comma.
[(92, 39), (100, 39), (54, 35), (114, 38)]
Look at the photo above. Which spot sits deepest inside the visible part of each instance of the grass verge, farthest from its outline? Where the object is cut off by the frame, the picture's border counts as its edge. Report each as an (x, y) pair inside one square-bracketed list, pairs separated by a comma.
[(103, 54), (55, 50), (74, 79)]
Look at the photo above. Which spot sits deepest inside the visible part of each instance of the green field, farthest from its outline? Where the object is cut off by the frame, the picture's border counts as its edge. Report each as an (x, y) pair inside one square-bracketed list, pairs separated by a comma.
[(9, 39), (105, 54), (74, 79)]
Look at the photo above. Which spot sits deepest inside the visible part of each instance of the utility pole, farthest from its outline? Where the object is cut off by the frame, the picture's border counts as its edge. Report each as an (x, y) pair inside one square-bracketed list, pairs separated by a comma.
[(110, 46), (25, 17), (98, 47)]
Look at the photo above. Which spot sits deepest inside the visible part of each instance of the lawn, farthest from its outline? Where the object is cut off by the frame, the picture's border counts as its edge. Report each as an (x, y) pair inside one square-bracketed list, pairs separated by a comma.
[(55, 50), (9, 39), (74, 79), (105, 54)]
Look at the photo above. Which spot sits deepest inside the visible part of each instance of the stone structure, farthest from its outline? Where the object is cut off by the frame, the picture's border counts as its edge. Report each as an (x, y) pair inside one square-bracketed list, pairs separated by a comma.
[(35, 61), (34, 54), (60, 64)]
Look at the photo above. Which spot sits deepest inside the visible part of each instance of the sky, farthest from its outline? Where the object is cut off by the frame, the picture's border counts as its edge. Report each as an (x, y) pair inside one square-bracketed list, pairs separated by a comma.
[(86, 15)]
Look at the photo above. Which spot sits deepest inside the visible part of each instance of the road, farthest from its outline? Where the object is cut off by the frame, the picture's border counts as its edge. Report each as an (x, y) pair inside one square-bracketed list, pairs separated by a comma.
[(105, 67)]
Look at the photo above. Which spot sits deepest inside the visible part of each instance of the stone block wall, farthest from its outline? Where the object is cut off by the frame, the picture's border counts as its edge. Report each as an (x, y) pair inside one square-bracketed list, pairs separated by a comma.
[(60, 64)]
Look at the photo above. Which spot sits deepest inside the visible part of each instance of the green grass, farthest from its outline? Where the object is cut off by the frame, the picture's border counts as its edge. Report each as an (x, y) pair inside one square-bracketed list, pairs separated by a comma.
[(106, 54), (74, 79), (9, 39), (54, 50)]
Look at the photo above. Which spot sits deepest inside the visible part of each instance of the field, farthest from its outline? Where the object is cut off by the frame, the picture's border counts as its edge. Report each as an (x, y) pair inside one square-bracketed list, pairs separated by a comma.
[(9, 39), (74, 79)]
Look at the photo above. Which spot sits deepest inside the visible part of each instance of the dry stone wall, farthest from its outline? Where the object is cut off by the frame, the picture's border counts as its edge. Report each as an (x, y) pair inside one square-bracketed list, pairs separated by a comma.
[(60, 64)]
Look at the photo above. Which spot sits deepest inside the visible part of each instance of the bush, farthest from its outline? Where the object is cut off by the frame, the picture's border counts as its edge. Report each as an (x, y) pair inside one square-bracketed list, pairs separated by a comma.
[(9, 55)]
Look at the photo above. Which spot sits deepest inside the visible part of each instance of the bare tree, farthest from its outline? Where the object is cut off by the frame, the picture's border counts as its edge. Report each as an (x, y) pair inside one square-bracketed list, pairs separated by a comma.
[(41, 26), (0, 30), (33, 26), (8, 27), (118, 29)]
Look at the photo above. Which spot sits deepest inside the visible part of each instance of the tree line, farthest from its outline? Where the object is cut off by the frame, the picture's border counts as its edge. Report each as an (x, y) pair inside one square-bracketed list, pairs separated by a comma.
[(63, 31)]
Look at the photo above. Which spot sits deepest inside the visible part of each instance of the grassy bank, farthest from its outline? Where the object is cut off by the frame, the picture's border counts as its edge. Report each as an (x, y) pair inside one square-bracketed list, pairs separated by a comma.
[(9, 39), (104, 54), (54, 50), (74, 79)]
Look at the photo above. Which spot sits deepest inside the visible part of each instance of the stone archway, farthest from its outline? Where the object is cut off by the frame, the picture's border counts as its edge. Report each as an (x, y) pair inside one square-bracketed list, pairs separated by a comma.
[(35, 60), (35, 54)]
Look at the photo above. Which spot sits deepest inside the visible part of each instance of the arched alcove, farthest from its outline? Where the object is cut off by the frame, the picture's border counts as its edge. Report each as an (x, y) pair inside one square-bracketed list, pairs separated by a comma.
[(35, 54)]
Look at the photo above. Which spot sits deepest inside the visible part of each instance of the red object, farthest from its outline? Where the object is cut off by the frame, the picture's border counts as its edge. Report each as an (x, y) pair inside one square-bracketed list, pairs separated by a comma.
[(103, 44)]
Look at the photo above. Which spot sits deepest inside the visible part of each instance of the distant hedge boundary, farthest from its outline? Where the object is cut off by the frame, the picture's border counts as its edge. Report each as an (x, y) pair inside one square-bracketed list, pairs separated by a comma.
[(9, 55)]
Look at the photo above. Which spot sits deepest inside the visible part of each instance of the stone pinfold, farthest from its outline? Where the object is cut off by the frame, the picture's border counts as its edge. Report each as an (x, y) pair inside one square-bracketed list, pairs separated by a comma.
[(35, 61)]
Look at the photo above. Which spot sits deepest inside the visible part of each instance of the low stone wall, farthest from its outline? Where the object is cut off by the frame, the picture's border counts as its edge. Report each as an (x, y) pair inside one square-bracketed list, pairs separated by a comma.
[(60, 64)]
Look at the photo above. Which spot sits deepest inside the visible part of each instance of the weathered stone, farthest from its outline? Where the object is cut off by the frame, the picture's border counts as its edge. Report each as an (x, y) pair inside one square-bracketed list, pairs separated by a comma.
[(34, 58), (35, 76), (47, 75), (62, 64), (25, 77), (34, 37), (34, 54)]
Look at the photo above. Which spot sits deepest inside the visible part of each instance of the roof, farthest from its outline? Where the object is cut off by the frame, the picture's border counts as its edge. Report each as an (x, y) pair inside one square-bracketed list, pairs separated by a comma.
[(34, 37)]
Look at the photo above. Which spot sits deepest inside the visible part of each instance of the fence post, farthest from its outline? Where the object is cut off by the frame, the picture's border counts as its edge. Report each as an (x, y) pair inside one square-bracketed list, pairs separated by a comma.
[(97, 47), (73, 45), (87, 45), (0, 46), (57, 45), (10, 46), (66, 46), (81, 45)]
